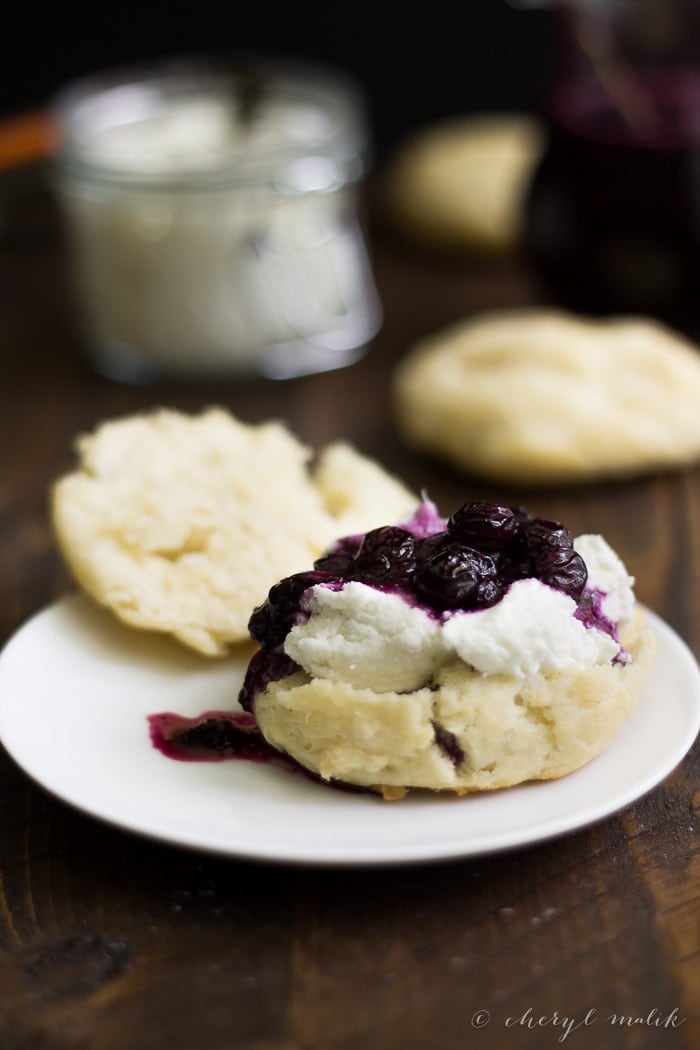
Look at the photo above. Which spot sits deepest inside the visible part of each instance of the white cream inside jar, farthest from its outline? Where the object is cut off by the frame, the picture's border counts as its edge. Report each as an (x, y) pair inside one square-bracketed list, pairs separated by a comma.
[(212, 220)]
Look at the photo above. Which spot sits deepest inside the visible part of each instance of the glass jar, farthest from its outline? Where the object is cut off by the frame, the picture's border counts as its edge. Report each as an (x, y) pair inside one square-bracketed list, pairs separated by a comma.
[(613, 216), (210, 211)]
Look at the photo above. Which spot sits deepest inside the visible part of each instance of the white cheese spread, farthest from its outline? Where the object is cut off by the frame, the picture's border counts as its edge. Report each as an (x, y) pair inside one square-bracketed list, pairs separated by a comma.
[(375, 639)]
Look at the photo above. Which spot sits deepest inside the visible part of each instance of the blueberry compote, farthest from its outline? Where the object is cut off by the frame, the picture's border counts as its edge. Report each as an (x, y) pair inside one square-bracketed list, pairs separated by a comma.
[(464, 563)]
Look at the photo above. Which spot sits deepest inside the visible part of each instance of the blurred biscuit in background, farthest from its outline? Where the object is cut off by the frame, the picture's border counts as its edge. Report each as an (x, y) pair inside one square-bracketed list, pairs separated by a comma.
[(541, 397), (460, 185)]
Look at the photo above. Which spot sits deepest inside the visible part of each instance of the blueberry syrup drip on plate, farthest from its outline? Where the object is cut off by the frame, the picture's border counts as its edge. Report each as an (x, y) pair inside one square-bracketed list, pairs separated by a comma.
[(210, 737), (219, 736)]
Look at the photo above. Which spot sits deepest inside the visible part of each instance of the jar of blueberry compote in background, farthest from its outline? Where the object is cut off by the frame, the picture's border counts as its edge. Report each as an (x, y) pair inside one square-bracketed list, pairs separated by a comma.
[(613, 215)]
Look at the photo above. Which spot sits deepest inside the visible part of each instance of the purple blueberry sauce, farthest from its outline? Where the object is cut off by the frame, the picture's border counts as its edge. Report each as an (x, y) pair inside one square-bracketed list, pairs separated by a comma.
[(212, 736), (463, 563), (220, 736), (590, 612), (425, 520)]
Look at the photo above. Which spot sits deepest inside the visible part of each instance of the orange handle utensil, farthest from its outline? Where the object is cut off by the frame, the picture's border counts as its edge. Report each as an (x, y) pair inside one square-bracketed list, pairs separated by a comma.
[(25, 138)]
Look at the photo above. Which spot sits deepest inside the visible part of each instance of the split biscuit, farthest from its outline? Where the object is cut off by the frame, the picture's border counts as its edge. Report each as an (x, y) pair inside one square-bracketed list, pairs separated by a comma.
[(181, 524)]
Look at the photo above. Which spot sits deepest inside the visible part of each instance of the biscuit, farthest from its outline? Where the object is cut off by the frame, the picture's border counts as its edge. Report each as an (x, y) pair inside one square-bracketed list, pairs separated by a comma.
[(544, 397), (463, 654), (461, 184), (504, 729), (180, 524)]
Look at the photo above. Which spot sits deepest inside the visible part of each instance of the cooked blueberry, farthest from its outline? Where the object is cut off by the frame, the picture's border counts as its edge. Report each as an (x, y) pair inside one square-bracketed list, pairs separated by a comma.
[(448, 743), (540, 533), (487, 526), (563, 569), (271, 621), (386, 555), (339, 563), (430, 545), (514, 565), (339, 560), (450, 577), (488, 592), (216, 734), (265, 666)]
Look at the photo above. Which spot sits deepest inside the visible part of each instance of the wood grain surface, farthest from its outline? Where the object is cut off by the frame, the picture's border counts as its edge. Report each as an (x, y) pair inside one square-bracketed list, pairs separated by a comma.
[(114, 942)]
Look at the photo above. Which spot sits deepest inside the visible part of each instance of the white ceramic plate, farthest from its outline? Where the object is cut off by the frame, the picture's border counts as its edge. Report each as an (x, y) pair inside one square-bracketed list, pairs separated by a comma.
[(76, 689)]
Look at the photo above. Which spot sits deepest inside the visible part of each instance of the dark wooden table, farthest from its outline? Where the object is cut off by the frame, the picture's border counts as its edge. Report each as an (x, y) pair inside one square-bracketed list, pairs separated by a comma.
[(115, 942)]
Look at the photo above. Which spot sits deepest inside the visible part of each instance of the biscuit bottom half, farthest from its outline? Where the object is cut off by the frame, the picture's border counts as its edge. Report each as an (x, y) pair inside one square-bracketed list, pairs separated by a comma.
[(464, 732)]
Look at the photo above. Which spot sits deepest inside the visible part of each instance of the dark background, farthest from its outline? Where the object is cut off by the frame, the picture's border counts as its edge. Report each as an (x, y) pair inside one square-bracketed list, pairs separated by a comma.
[(415, 65)]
